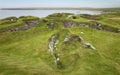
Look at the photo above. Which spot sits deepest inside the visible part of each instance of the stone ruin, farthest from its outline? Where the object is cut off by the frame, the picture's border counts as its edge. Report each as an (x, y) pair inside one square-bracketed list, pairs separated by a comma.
[(79, 39), (53, 42), (52, 49), (50, 25), (93, 24), (26, 25)]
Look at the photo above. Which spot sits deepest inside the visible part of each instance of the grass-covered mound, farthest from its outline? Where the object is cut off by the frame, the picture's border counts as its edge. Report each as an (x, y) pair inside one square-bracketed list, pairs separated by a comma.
[(27, 52), (12, 23)]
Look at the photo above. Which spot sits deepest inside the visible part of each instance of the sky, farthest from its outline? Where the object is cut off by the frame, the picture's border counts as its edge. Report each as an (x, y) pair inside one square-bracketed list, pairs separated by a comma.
[(59, 3)]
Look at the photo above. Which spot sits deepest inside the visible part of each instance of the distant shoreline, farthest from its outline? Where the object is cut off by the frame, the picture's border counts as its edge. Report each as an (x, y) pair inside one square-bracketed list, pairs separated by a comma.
[(47, 8)]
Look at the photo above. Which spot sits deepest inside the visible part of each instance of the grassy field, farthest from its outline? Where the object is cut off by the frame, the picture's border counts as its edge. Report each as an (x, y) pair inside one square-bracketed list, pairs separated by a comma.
[(26, 52)]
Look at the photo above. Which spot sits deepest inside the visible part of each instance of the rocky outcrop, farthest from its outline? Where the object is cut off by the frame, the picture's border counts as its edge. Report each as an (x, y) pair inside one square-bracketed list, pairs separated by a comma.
[(95, 25), (8, 20), (53, 42), (11, 18), (73, 38), (50, 25), (69, 23), (88, 45), (45, 20), (99, 26), (26, 25), (52, 45), (32, 23), (79, 39)]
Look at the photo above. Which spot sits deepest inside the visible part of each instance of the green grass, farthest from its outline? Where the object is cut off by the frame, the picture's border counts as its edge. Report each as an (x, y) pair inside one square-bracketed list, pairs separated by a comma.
[(80, 19), (114, 22), (26, 52)]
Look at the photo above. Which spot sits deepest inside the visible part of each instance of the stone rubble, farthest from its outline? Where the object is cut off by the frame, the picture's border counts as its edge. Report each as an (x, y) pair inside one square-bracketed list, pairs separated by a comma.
[(79, 39), (53, 42), (52, 48)]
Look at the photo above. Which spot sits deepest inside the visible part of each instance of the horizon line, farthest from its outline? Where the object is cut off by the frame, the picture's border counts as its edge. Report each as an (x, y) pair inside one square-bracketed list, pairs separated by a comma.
[(54, 7)]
